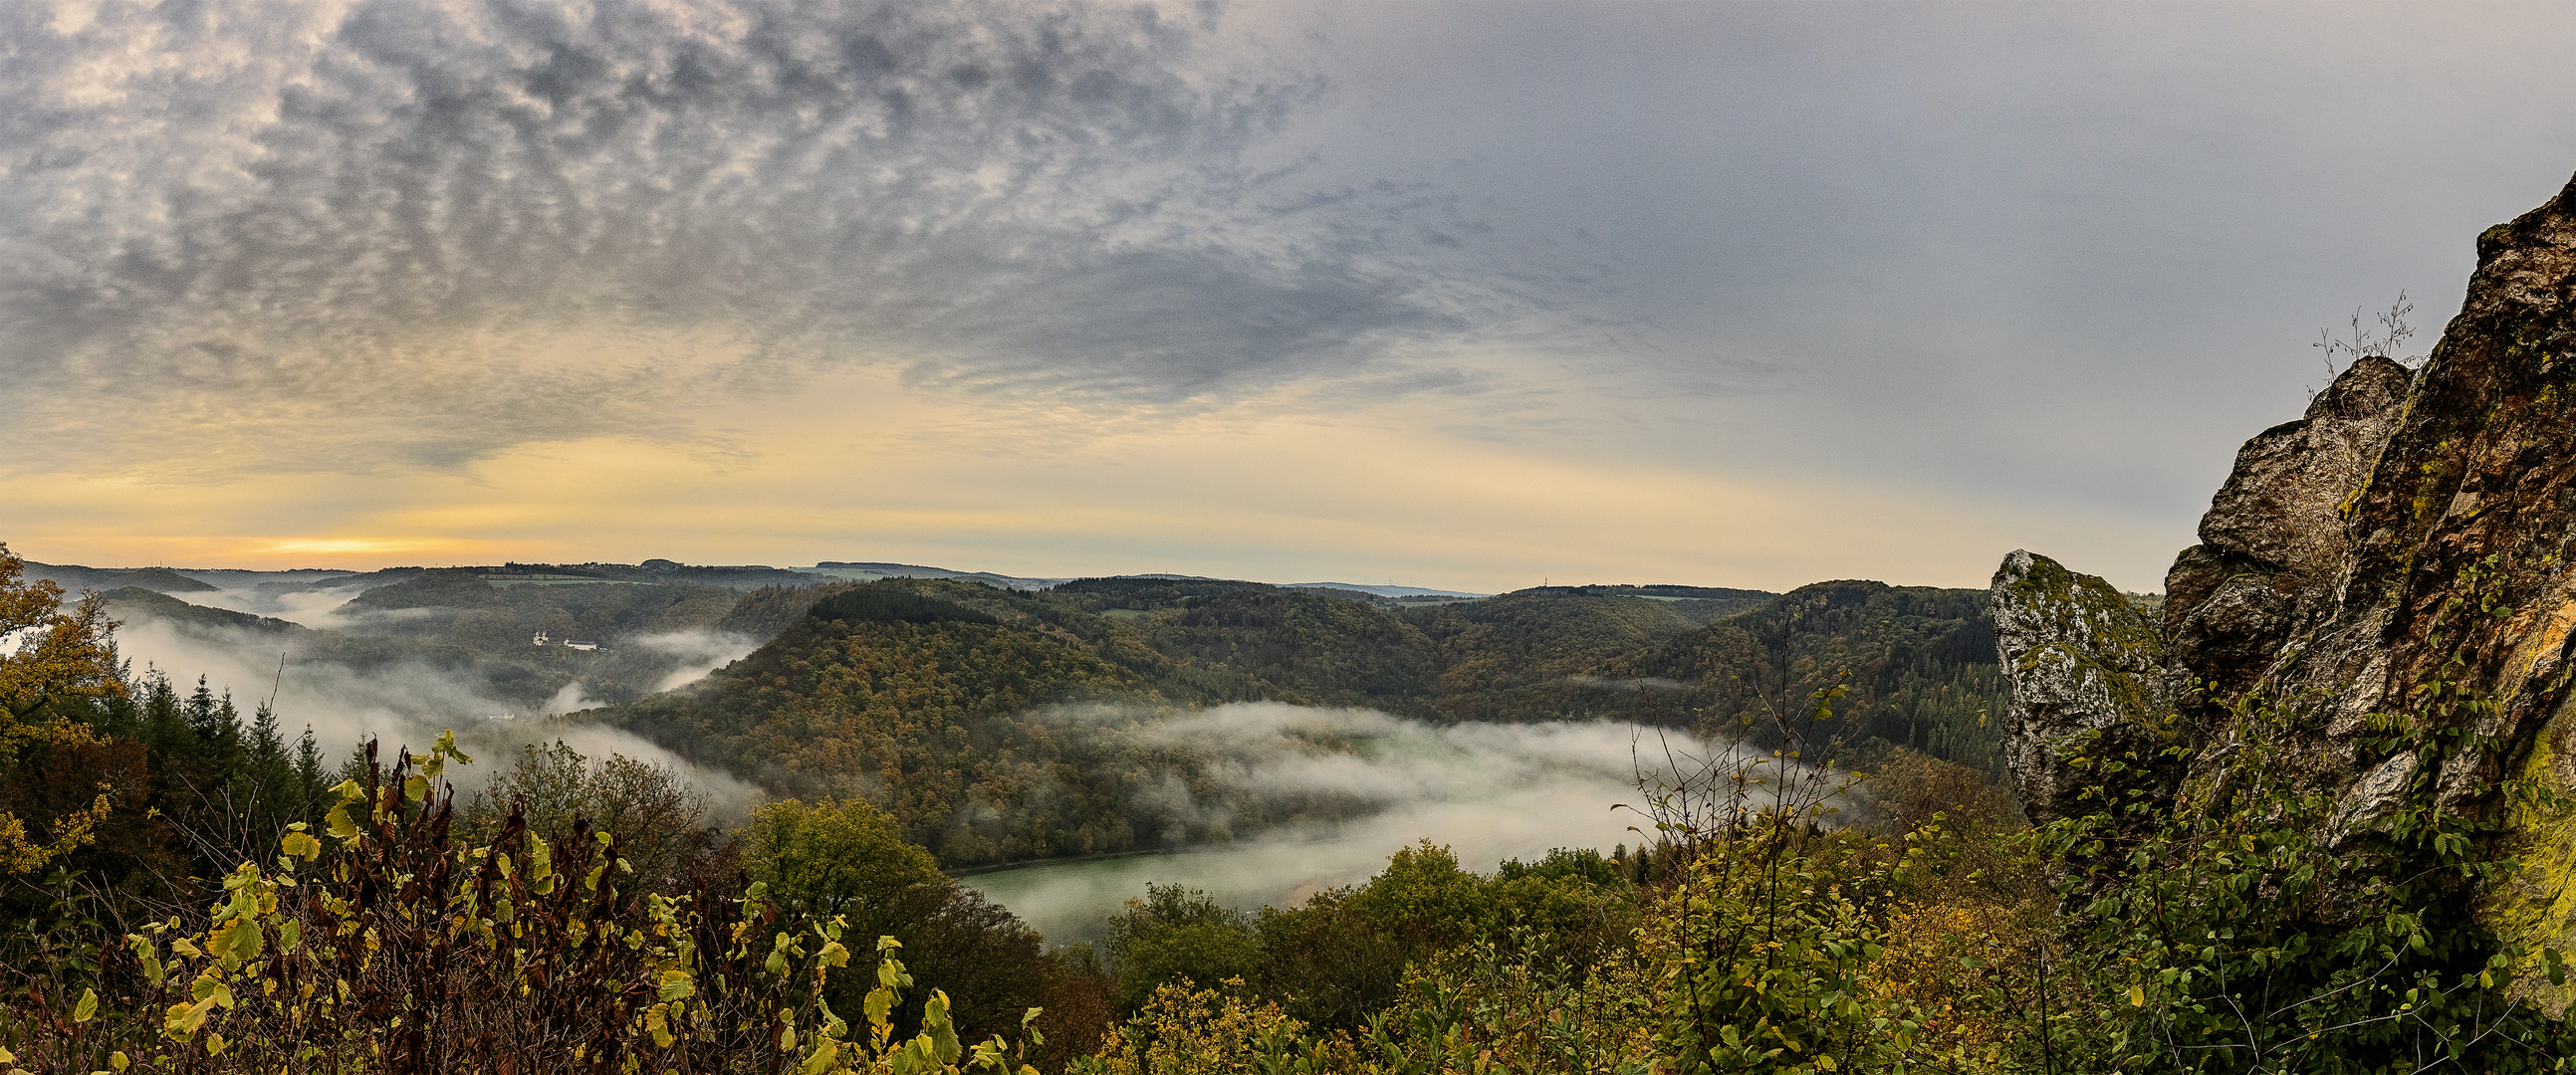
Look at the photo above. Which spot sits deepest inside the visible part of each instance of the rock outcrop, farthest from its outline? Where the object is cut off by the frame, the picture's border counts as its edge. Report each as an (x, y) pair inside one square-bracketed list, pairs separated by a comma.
[(2273, 544), (2414, 528), (2089, 680)]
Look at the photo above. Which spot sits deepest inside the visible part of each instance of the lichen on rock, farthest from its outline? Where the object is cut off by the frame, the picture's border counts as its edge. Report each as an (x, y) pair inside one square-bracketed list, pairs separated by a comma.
[(2089, 683), (2407, 540), (2273, 545)]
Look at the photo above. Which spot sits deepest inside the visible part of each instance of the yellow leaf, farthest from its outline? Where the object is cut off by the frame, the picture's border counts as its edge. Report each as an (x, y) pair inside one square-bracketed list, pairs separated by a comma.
[(87, 1008), (186, 1018), (301, 846), (824, 1054), (2137, 996)]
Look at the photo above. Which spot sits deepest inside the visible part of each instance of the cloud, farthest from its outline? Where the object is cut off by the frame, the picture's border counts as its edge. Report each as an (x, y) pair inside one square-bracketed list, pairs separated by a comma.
[(256, 237), (394, 282)]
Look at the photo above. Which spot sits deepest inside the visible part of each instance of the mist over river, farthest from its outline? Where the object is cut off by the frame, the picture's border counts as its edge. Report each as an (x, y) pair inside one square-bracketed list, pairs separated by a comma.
[(1489, 792)]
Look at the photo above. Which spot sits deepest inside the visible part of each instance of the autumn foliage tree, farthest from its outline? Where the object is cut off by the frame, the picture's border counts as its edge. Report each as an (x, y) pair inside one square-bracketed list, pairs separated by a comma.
[(49, 655), (377, 943)]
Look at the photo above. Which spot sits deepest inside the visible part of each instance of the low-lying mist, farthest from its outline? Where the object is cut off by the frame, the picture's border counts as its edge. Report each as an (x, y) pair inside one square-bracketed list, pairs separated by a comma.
[(1490, 792), (1281, 800), (697, 652), (404, 703), (317, 608)]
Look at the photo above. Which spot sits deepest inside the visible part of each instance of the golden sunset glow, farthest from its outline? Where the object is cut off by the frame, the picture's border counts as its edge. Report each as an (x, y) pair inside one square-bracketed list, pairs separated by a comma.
[(855, 462), (1299, 301)]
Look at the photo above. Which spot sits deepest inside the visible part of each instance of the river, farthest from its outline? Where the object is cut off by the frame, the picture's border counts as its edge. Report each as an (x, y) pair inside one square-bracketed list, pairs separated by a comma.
[(1070, 900)]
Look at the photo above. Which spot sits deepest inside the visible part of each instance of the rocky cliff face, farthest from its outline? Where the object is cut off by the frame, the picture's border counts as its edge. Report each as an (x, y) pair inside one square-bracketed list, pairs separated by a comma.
[(2413, 528), (2090, 680)]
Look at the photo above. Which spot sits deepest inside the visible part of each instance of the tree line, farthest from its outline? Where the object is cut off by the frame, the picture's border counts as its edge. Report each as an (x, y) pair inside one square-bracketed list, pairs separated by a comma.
[(1787, 911)]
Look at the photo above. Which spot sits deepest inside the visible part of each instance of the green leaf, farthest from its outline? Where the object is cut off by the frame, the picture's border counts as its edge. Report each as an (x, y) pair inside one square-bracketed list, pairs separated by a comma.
[(937, 1027), (210, 990), (145, 955), (237, 941)]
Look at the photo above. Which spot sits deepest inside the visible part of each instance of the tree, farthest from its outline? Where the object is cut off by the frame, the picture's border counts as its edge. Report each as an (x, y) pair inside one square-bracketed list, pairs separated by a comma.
[(835, 858), (654, 815), (1177, 936), (63, 658), (848, 860)]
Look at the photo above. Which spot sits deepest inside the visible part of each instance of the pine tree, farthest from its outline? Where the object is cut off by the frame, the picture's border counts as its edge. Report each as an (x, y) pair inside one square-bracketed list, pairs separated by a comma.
[(203, 717), (308, 776), (276, 796), (227, 737), (165, 724), (266, 748)]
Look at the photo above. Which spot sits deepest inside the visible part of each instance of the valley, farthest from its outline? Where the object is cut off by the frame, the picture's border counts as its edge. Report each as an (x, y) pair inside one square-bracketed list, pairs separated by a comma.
[(1281, 737)]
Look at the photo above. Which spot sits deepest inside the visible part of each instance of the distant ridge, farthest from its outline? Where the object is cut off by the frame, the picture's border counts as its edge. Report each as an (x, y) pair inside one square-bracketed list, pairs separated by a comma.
[(869, 571), (76, 578), (749, 576), (1383, 591)]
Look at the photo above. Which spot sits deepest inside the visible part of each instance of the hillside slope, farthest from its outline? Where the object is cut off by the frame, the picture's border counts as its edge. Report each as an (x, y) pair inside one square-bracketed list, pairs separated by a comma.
[(1918, 664), (999, 725)]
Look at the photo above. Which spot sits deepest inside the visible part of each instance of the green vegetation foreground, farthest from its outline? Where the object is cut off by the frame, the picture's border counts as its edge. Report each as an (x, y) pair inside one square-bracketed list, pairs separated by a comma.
[(1785, 915)]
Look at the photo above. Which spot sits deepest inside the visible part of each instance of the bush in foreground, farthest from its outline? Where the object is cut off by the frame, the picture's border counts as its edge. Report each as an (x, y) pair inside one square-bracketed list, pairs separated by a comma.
[(379, 945)]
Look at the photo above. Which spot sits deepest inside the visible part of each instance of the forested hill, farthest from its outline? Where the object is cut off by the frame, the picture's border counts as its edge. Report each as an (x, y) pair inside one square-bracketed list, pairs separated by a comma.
[(1918, 663), (999, 725)]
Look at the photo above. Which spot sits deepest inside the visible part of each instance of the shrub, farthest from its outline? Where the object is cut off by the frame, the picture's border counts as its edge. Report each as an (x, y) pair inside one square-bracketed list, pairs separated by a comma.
[(378, 945)]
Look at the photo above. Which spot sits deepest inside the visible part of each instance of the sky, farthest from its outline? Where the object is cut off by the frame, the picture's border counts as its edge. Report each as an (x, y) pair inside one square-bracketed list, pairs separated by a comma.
[(1460, 295)]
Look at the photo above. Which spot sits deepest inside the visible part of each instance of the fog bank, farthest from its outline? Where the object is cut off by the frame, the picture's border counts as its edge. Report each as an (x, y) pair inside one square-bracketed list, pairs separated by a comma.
[(401, 704), (698, 652), (1490, 792)]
